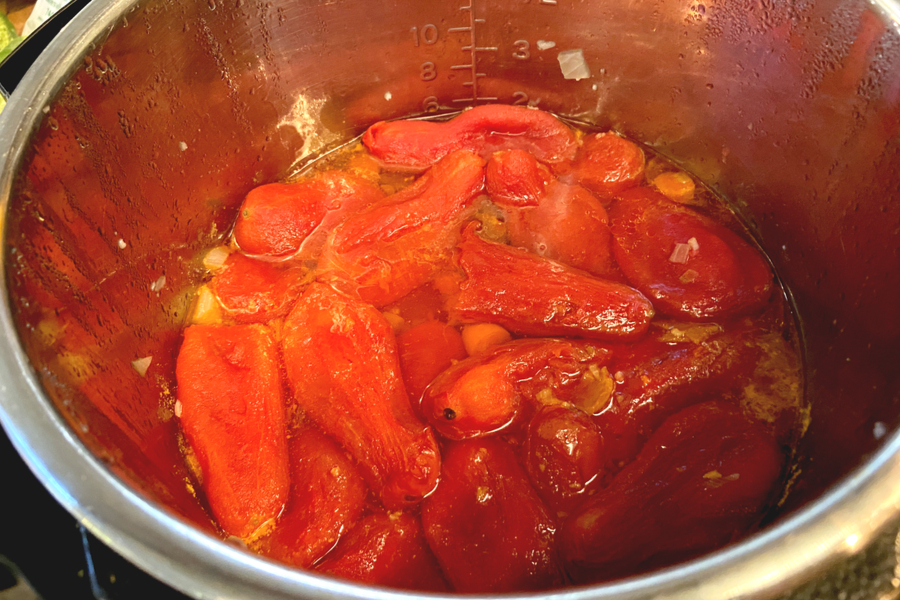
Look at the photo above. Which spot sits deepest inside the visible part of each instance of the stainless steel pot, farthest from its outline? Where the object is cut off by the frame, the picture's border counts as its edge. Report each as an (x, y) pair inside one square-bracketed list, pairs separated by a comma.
[(129, 145)]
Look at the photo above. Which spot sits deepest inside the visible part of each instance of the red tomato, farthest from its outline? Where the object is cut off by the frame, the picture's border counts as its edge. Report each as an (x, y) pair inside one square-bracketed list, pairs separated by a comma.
[(570, 226), (659, 377), (229, 386), (425, 351), (487, 526), (253, 291), (341, 360), (485, 393), (398, 244), (702, 479), (344, 194), (275, 219), (531, 295), (687, 264), (561, 222), (483, 129), (564, 456), (515, 179), (387, 550), (606, 164), (326, 499)]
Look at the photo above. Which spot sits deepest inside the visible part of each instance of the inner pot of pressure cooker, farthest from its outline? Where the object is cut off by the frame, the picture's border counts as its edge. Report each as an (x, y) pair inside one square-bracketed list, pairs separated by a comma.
[(635, 303)]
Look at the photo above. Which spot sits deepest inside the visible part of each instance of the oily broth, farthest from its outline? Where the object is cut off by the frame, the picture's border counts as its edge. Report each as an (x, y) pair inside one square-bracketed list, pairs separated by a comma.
[(774, 395)]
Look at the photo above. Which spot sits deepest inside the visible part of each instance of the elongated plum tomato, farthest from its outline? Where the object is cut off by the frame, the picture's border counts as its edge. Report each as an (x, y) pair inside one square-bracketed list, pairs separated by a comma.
[(253, 291), (277, 219), (562, 222), (399, 243), (388, 550), (531, 295), (327, 498), (702, 479), (661, 376), (342, 365), (488, 528), (686, 263), (483, 130), (232, 413)]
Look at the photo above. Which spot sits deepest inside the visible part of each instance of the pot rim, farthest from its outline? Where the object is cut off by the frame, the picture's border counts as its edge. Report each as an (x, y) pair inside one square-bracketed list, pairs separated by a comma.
[(838, 523)]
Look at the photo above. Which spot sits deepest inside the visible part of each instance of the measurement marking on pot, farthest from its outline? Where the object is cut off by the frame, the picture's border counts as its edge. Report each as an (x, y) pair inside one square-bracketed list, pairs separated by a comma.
[(473, 49)]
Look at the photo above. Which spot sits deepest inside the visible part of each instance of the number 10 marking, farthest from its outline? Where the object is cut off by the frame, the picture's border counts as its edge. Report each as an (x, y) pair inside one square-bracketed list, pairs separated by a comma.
[(429, 34)]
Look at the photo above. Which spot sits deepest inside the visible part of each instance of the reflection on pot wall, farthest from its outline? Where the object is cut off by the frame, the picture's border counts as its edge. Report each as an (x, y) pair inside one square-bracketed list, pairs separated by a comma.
[(147, 153)]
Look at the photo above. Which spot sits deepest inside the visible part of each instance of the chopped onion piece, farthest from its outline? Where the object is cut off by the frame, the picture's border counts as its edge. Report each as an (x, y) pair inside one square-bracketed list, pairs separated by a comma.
[(178, 408), (597, 387), (396, 321), (158, 284), (573, 65), (206, 309), (681, 254), (141, 365), (694, 244), (216, 258)]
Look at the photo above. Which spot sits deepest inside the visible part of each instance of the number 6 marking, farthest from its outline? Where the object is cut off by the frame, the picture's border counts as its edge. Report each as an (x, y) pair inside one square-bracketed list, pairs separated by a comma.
[(430, 104)]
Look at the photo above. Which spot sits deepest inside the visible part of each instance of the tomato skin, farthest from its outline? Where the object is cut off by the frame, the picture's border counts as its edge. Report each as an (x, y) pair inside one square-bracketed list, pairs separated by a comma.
[(564, 456), (702, 479), (606, 164), (326, 499), (396, 245), (229, 386), (728, 277), (531, 295), (425, 351), (486, 525), (483, 130), (561, 222), (344, 195), (486, 393), (515, 179), (387, 550), (253, 291), (342, 365), (660, 378), (569, 226), (277, 218)]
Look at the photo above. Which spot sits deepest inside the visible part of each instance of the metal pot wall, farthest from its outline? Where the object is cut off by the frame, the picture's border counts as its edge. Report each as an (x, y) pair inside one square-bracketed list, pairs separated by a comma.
[(132, 140)]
